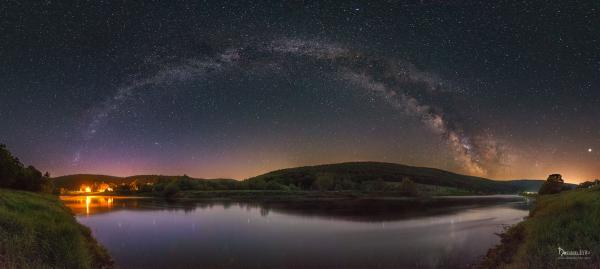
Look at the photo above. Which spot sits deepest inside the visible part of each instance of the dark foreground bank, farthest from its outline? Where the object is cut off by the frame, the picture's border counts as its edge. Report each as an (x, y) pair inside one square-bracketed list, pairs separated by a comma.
[(38, 231), (562, 231)]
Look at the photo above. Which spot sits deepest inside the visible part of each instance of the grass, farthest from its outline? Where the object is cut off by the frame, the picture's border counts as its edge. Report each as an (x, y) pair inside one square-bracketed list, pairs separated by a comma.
[(570, 220), (38, 231)]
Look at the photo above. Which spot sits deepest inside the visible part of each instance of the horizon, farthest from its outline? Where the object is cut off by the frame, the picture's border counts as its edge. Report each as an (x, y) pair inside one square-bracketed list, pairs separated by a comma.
[(566, 179)]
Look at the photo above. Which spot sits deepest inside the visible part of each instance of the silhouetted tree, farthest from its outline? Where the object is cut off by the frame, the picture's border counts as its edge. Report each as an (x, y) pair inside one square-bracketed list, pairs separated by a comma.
[(554, 184), (13, 174), (588, 184)]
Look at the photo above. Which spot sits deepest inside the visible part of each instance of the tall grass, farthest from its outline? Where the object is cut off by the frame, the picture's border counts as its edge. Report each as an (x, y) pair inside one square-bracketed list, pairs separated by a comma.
[(570, 220), (37, 231)]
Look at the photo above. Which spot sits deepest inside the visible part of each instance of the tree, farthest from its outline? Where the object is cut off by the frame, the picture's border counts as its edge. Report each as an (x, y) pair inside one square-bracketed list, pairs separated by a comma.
[(257, 184), (171, 190), (344, 184), (185, 183), (123, 189), (588, 184), (13, 174), (554, 184), (324, 182), (408, 187), (273, 185), (10, 168)]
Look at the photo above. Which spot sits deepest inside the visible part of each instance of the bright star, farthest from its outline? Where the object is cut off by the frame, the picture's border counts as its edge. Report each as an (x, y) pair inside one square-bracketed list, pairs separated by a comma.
[(590, 150)]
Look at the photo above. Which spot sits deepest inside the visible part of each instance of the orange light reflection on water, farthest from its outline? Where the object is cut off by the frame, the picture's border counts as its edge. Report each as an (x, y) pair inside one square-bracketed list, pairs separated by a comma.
[(88, 201), (88, 204)]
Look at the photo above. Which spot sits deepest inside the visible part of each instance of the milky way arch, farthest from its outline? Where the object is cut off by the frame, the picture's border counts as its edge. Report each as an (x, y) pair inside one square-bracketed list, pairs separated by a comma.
[(399, 83)]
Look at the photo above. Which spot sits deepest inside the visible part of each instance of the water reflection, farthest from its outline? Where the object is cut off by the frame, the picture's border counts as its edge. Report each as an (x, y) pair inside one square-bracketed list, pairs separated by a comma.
[(151, 233)]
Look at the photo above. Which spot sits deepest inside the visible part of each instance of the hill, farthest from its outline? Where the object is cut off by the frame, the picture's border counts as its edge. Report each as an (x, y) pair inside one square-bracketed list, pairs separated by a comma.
[(362, 172), (529, 185)]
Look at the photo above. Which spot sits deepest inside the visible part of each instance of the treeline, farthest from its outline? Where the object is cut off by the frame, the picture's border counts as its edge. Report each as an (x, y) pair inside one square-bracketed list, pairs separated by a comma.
[(170, 187), (588, 184), (14, 175), (555, 184)]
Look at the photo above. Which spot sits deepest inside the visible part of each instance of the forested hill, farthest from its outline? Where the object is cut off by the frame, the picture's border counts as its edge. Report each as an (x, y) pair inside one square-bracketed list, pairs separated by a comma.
[(364, 176), (360, 172)]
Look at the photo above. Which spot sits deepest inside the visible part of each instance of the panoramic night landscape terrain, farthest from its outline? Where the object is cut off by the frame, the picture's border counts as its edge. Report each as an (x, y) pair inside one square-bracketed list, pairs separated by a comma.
[(300, 134)]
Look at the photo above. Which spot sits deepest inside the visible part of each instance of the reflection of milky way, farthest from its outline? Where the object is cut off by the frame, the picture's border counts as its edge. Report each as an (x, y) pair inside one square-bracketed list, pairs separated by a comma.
[(400, 84)]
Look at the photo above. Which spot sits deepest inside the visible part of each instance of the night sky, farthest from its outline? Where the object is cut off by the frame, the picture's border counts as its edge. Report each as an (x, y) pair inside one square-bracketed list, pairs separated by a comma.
[(501, 89)]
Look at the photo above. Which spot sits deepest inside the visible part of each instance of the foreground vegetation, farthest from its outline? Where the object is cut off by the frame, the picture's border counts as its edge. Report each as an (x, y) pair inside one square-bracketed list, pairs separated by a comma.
[(569, 220), (37, 231), (14, 175)]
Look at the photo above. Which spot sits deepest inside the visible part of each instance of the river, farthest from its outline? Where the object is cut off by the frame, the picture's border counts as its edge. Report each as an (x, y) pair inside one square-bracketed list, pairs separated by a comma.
[(153, 233)]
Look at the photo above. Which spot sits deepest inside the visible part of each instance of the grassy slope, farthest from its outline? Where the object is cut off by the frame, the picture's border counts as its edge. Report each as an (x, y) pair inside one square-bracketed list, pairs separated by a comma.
[(37, 231), (570, 220)]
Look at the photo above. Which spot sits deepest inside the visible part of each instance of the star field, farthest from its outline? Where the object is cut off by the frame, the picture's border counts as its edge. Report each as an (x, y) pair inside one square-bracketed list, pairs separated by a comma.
[(210, 89)]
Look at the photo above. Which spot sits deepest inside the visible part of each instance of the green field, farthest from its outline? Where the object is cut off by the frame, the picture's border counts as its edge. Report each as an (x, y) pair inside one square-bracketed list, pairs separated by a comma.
[(570, 220), (38, 231)]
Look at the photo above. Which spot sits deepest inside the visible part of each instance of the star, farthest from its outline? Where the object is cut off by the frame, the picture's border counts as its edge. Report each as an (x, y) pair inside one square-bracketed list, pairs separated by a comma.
[(590, 150)]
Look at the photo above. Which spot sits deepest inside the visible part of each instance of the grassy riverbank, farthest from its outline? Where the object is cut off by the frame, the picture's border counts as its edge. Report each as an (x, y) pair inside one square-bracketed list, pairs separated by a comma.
[(569, 220), (37, 231)]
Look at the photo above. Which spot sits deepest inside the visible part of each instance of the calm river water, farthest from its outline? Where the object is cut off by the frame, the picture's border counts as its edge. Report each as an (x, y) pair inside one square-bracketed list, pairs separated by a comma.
[(152, 233)]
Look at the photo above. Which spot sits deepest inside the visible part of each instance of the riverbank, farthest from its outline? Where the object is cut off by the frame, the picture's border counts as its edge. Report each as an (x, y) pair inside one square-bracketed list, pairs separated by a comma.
[(38, 231), (569, 220)]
